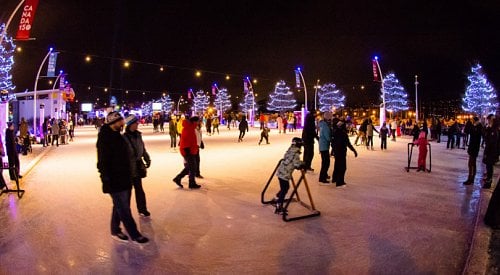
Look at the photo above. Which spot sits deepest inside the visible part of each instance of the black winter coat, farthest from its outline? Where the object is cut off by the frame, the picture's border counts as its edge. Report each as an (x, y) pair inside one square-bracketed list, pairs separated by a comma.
[(113, 161), (341, 142), (491, 145), (475, 132)]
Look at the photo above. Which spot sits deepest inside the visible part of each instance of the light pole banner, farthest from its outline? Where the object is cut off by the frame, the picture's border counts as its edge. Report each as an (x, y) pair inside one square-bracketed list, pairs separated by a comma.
[(376, 76), (62, 83), (27, 18), (297, 78), (51, 68), (245, 86)]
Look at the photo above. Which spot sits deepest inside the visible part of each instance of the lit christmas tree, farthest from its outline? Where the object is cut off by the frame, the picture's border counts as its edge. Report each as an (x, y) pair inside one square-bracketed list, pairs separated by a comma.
[(222, 101), (6, 62), (248, 102), (282, 98), (200, 102), (480, 96), (330, 98), (395, 94), (167, 103), (147, 108)]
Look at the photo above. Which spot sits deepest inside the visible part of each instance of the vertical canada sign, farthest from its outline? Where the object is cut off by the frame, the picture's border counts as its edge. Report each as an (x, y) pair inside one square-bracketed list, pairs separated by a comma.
[(27, 18)]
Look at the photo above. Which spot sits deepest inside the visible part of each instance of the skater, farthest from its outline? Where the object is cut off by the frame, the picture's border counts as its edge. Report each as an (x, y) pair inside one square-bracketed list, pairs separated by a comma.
[(324, 147), (172, 131), (189, 149), (12, 153), (475, 131), (201, 145), (290, 161), (308, 136), (215, 125), (242, 127), (138, 155), (340, 144), (384, 132), (114, 167), (490, 155), (421, 142), (264, 134), (369, 134), (361, 132)]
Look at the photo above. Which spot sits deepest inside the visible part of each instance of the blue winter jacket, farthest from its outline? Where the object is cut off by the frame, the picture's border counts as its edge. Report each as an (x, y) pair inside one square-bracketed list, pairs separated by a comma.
[(324, 136)]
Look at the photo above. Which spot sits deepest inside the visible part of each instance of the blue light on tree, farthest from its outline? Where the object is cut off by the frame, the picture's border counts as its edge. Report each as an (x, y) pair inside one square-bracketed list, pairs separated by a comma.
[(167, 104), (330, 98), (200, 102), (282, 98), (248, 102), (395, 95), (480, 96), (147, 108), (222, 101), (6, 62)]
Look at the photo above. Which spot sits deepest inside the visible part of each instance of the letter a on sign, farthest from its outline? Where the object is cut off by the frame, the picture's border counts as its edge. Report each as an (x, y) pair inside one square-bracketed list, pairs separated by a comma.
[(27, 18)]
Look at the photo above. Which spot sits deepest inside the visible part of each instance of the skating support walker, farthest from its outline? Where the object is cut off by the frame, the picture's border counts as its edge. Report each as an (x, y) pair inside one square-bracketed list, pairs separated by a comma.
[(410, 152), (294, 194), (19, 191)]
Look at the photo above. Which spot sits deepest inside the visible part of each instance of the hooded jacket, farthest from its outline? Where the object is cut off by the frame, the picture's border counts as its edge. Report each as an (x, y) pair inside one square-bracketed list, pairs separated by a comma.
[(291, 161)]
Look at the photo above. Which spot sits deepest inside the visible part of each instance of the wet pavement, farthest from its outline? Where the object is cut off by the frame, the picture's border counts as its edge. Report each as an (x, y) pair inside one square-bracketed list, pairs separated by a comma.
[(386, 221)]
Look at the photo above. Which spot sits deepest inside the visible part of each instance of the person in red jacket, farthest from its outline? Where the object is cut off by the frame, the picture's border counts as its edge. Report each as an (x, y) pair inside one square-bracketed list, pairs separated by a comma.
[(188, 149)]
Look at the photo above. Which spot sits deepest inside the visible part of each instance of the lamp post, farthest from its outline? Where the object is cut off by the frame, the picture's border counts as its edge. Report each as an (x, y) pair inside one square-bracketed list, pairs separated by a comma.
[(382, 106), (4, 33), (316, 94), (178, 102), (34, 90), (416, 99), (298, 73)]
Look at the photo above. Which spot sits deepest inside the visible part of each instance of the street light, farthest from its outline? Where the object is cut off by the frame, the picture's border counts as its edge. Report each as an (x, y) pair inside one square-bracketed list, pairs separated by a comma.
[(382, 106), (316, 87), (416, 99), (34, 90), (178, 102)]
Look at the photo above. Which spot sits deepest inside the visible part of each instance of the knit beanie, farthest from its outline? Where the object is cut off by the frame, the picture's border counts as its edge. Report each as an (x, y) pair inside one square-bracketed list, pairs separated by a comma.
[(113, 117)]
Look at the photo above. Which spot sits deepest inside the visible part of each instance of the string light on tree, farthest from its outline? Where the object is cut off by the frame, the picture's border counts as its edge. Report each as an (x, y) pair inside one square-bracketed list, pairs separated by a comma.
[(480, 96), (330, 98), (248, 102), (147, 108), (167, 104), (7, 49), (222, 100), (282, 98), (200, 102), (395, 95)]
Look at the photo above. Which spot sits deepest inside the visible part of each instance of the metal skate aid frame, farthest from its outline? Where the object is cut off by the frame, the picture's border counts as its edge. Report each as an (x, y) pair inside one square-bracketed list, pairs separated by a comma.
[(410, 152), (311, 207), (19, 191)]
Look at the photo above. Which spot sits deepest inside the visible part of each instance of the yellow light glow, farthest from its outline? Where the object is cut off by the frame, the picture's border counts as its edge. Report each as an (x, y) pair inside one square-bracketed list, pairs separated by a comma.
[(254, 81), (228, 77), (198, 74), (161, 69), (19, 49), (126, 64), (88, 58)]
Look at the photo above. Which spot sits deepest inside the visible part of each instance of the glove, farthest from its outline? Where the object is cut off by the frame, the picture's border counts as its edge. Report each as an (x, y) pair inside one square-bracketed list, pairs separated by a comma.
[(148, 163), (355, 154), (202, 145)]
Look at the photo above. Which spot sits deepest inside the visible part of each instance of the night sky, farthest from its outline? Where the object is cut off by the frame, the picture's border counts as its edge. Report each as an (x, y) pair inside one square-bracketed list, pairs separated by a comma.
[(333, 41)]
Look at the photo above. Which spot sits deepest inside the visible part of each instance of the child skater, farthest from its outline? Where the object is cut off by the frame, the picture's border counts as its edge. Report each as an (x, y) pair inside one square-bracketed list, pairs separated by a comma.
[(264, 134), (421, 142), (291, 161)]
